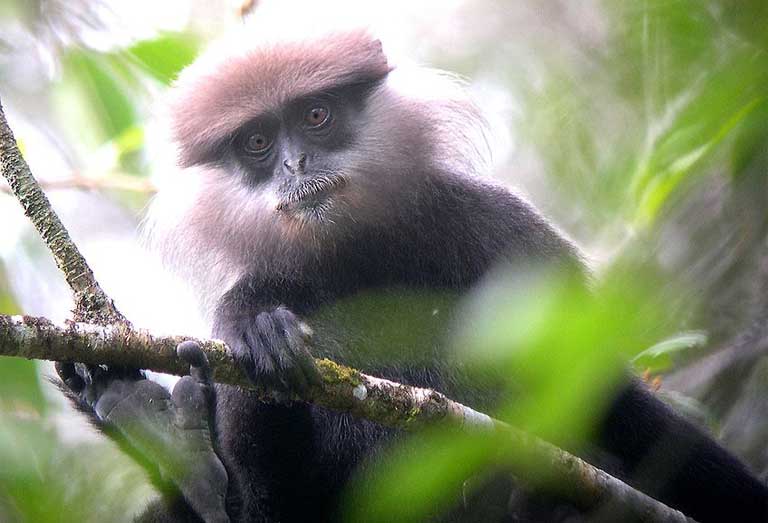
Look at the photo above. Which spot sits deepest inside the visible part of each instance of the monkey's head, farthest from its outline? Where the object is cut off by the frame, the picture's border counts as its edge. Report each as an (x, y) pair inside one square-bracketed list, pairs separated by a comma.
[(303, 143)]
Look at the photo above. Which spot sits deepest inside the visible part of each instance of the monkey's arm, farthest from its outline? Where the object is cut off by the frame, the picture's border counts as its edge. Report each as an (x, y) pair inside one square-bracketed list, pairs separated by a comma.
[(168, 434), (676, 462)]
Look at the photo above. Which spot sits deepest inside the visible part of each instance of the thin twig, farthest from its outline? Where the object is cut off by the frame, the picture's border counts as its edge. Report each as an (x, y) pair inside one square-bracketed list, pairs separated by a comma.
[(245, 8), (109, 182)]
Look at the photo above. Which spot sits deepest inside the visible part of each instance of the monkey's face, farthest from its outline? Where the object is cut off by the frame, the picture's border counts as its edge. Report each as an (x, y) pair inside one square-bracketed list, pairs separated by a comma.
[(299, 155), (310, 142)]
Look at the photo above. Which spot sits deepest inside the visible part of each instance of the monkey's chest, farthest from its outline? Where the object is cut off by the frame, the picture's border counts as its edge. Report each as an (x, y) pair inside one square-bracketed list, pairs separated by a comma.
[(387, 330)]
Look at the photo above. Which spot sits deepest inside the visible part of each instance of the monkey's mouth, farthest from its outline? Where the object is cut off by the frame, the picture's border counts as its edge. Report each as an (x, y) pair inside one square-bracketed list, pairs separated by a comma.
[(311, 194)]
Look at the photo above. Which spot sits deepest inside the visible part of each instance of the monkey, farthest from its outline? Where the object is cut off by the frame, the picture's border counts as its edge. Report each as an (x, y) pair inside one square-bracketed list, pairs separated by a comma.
[(325, 195)]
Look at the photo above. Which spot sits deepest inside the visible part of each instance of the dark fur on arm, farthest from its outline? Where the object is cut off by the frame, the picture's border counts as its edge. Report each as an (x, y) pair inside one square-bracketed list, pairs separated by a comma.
[(671, 459)]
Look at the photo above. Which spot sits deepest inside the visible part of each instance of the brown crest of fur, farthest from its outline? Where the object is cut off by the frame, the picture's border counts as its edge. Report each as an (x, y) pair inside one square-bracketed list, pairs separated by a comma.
[(236, 89)]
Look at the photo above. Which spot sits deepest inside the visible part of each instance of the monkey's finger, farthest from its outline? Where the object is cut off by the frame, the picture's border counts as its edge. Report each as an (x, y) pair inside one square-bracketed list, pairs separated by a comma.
[(140, 409), (95, 379), (101, 376), (192, 354), (258, 361), (64, 369), (191, 409), (311, 371), (294, 357), (287, 319), (274, 353), (306, 331), (242, 354), (309, 367), (287, 377), (298, 334), (303, 359), (290, 357)]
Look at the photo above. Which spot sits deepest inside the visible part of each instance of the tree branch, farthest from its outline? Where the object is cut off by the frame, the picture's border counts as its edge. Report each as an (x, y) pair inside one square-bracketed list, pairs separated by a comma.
[(91, 303), (112, 341), (345, 389)]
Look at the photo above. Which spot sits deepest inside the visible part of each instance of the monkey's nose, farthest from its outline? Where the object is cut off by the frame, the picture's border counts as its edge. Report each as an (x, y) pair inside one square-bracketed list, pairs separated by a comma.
[(298, 166)]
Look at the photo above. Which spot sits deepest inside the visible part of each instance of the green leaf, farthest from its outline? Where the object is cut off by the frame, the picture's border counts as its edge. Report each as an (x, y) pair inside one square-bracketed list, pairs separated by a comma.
[(7, 302), (663, 176), (422, 476), (129, 141), (556, 346), (94, 99), (751, 140), (658, 357), (19, 385), (163, 57)]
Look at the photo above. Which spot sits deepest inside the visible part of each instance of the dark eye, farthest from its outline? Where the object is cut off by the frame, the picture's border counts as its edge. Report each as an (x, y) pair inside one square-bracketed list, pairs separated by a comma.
[(257, 143), (316, 116)]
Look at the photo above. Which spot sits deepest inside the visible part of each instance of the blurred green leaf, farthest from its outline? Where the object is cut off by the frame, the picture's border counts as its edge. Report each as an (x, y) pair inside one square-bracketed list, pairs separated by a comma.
[(705, 117), (422, 476), (93, 102), (47, 481), (559, 346), (659, 357), (130, 140), (751, 139), (747, 19), (657, 47), (129, 146), (163, 57), (19, 386), (659, 107), (7, 303)]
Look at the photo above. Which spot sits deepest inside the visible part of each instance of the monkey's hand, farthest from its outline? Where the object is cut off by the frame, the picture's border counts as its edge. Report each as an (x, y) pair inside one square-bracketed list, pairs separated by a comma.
[(272, 348), (169, 432)]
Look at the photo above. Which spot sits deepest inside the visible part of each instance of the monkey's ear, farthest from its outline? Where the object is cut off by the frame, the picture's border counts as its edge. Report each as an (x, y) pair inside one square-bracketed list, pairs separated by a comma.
[(378, 49), (362, 55)]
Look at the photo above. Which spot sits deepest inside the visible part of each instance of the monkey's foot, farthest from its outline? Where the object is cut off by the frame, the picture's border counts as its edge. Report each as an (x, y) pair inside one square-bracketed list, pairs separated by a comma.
[(171, 432)]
